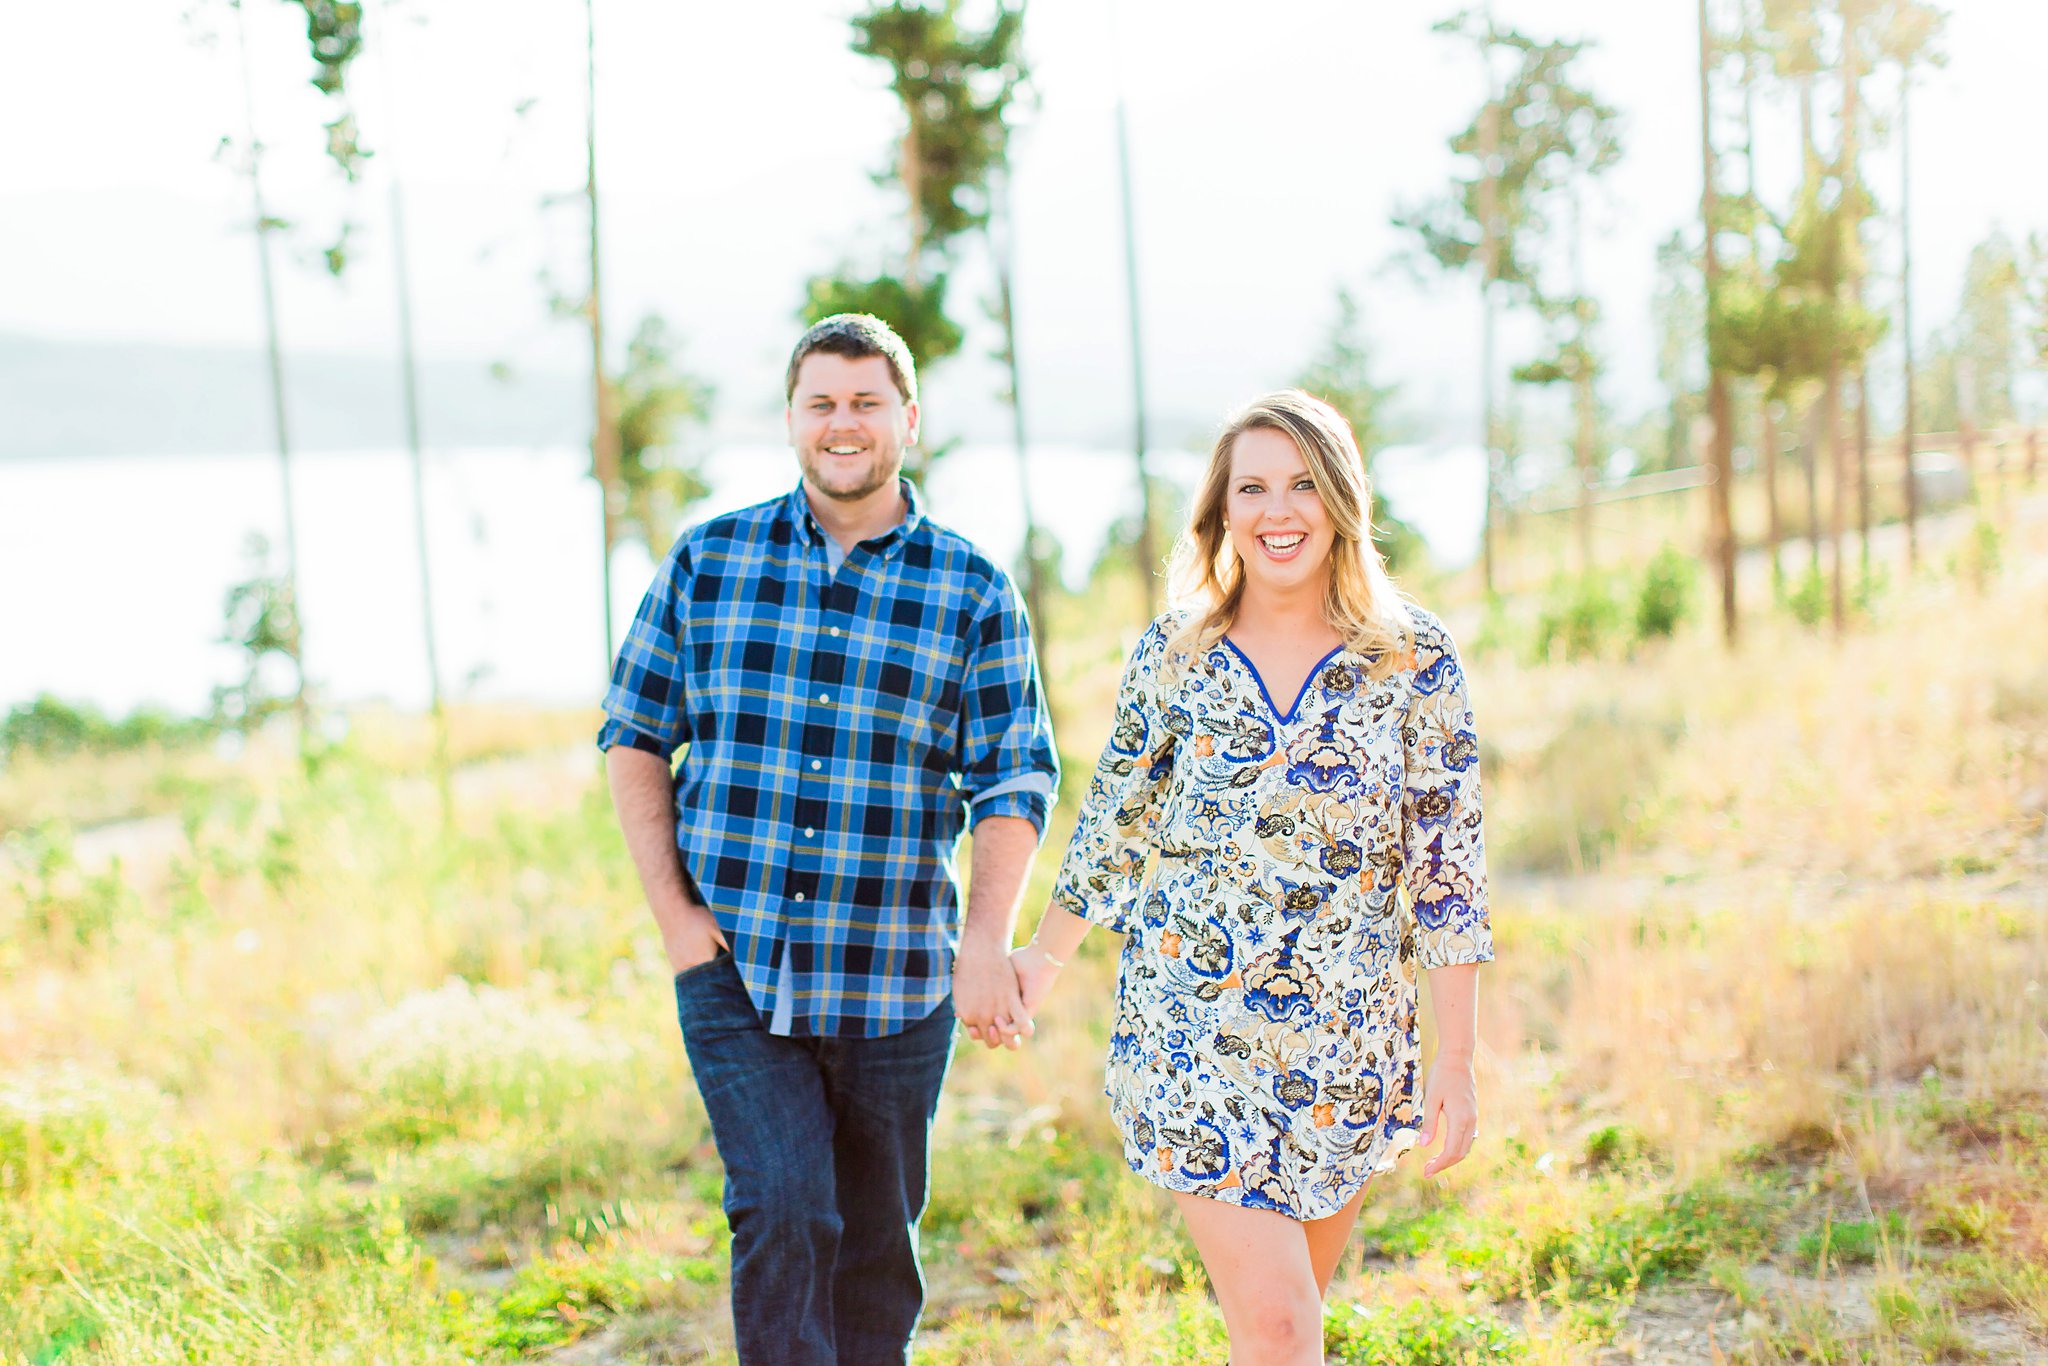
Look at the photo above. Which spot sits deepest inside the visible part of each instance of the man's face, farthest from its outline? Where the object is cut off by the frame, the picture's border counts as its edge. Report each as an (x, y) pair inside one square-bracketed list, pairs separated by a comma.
[(848, 425)]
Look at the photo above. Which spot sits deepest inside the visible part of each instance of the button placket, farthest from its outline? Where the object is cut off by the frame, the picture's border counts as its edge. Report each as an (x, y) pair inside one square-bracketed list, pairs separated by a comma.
[(819, 726)]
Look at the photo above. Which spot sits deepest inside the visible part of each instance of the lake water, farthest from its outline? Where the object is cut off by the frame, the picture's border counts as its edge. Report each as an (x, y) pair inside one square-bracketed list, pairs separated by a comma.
[(113, 570)]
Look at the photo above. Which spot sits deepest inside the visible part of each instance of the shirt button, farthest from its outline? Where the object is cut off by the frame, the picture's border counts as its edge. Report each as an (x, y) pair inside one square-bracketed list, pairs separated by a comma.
[(835, 630), (799, 896), (809, 833), (817, 764), (824, 697)]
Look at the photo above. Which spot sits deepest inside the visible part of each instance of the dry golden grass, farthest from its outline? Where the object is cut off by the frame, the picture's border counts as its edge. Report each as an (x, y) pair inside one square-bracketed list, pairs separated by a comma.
[(1793, 991)]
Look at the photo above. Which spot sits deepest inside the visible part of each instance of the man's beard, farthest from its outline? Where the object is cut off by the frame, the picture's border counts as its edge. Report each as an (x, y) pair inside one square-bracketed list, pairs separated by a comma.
[(881, 471)]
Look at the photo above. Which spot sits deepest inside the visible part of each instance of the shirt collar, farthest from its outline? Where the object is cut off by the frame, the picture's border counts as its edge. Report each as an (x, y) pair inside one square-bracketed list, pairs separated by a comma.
[(798, 508)]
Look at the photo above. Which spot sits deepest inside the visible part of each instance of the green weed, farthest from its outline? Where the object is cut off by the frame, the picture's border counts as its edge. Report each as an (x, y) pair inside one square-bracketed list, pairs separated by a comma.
[(1419, 1332)]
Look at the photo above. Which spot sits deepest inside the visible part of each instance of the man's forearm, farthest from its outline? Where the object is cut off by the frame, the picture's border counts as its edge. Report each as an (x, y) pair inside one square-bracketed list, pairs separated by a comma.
[(1000, 862), (644, 799)]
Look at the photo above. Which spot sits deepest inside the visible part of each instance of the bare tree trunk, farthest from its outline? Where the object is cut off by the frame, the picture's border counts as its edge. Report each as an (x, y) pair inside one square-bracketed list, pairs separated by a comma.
[(1906, 313), (1767, 438), (1863, 468), (1966, 417), (1720, 503), (604, 433), (408, 372), (275, 353), (1148, 548), (1810, 467), (911, 172), (1838, 492), (1033, 566), (1585, 400), (1847, 175), (1587, 435), (1766, 414), (1489, 267)]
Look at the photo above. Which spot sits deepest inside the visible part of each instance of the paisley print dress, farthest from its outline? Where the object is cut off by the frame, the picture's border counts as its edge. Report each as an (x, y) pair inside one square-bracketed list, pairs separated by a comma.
[(1279, 878)]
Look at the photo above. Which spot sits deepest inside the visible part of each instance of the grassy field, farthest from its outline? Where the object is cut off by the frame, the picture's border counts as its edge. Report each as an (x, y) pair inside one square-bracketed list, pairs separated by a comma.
[(305, 1077)]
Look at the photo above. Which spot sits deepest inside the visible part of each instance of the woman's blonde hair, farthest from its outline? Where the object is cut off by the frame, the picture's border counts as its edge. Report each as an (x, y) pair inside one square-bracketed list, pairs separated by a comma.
[(1206, 576)]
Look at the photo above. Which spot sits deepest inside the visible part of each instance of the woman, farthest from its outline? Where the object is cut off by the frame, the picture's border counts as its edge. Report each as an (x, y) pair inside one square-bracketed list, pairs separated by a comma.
[(1263, 1057)]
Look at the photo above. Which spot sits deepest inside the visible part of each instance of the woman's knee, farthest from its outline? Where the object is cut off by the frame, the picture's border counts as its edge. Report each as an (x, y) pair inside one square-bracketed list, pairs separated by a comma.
[(1280, 1328)]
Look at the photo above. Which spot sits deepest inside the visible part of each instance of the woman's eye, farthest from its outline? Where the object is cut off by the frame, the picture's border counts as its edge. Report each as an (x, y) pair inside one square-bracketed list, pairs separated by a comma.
[(1306, 484)]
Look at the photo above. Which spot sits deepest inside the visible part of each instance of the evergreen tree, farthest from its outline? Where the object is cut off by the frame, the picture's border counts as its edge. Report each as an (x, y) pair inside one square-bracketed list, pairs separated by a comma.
[(1341, 375)]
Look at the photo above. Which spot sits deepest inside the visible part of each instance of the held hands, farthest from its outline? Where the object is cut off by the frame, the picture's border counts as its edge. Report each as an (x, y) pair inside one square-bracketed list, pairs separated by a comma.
[(1450, 1107), (1036, 971), (991, 1014), (986, 996)]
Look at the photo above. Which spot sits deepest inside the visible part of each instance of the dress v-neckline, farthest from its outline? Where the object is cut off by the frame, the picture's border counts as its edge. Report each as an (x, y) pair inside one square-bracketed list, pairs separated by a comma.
[(1285, 718)]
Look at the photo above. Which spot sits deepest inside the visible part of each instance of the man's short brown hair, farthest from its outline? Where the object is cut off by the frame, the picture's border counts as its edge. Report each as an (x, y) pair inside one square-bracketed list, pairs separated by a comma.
[(856, 336)]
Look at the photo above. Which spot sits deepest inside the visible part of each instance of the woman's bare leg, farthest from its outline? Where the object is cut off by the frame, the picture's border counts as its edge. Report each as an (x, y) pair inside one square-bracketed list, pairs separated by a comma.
[(1259, 1264), (1327, 1237)]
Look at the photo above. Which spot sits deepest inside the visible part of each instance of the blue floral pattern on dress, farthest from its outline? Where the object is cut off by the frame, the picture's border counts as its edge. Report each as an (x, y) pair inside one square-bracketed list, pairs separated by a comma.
[(1280, 882)]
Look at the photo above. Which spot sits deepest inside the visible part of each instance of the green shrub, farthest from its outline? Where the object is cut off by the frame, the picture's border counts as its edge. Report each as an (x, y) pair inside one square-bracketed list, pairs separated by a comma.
[(1417, 1333), (1665, 598), (1808, 600), (1614, 1237), (58, 1121), (1615, 1146), (51, 726), (560, 1299), (1574, 799), (1580, 618), (1852, 1242), (439, 1059), (1977, 560), (61, 907)]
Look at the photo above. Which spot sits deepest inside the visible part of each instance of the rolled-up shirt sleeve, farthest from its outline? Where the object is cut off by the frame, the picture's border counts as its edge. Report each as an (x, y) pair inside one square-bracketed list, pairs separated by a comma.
[(1008, 763), (646, 706)]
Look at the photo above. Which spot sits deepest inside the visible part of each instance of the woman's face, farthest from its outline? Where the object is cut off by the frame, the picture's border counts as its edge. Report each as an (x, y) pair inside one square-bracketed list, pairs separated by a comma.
[(1278, 525)]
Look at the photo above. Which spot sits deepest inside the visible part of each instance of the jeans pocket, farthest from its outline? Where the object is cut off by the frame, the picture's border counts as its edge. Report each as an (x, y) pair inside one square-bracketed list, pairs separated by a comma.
[(703, 969)]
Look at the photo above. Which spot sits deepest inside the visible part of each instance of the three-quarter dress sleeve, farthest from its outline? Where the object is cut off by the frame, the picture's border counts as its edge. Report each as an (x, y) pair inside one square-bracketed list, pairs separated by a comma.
[(1443, 841), (1104, 867)]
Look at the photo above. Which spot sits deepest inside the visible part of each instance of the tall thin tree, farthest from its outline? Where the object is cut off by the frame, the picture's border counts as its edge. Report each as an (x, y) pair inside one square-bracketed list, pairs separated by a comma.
[(1909, 426), (1489, 279), (1148, 546), (1721, 440), (1002, 226), (954, 84), (265, 224), (604, 428), (409, 398)]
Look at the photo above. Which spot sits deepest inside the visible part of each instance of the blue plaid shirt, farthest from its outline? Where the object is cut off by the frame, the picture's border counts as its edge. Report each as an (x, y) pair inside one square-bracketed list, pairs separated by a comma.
[(840, 724)]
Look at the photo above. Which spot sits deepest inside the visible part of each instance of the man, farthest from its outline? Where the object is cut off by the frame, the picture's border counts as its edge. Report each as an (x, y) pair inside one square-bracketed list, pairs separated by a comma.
[(850, 684)]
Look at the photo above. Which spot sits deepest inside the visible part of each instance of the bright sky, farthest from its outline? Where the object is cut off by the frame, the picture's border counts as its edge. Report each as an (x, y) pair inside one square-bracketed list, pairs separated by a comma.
[(737, 143)]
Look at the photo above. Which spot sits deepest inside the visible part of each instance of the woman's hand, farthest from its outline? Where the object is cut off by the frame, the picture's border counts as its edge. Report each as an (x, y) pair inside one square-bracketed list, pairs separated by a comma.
[(1450, 1108), (1036, 972)]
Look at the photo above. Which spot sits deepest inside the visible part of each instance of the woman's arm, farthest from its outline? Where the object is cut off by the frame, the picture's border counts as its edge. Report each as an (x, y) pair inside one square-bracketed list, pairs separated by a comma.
[(1450, 1098), (1103, 869), (1444, 874), (1051, 946)]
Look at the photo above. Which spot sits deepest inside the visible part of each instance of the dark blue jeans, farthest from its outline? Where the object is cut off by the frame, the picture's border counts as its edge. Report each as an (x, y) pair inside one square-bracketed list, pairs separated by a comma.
[(824, 1143)]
